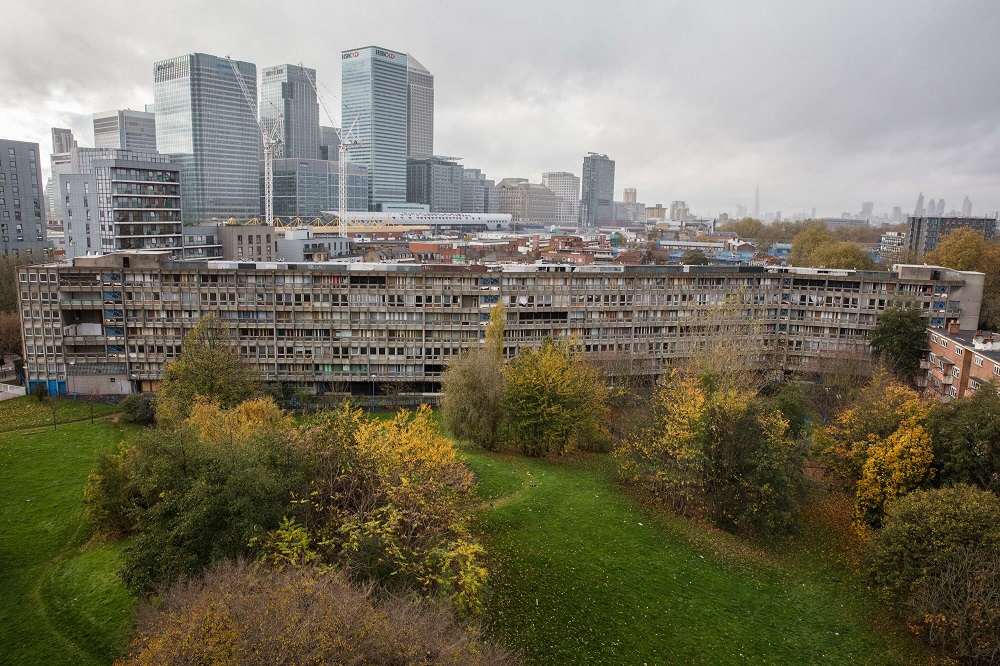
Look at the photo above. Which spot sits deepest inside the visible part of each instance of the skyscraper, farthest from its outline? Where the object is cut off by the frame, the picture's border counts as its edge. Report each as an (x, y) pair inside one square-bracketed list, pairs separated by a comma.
[(867, 208), (598, 185), (566, 187), (287, 96), (62, 141), (419, 109), (204, 123), (125, 130), (756, 203), (967, 207), (919, 208), (373, 93)]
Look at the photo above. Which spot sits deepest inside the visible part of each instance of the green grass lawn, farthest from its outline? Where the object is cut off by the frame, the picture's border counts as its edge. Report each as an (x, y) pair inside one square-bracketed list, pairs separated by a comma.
[(61, 601), (27, 412), (581, 574)]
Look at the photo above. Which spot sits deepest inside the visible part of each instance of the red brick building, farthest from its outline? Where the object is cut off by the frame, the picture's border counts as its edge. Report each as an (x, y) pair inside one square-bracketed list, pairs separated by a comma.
[(960, 361)]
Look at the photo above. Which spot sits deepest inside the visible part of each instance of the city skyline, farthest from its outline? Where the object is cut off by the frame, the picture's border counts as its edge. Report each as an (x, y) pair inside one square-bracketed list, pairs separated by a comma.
[(815, 130)]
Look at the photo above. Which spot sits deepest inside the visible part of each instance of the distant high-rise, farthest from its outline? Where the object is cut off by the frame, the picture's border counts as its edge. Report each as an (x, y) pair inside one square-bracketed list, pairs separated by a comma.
[(22, 215), (919, 208), (479, 194), (925, 232), (867, 208), (756, 203), (125, 130), (598, 185), (966, 207), (329, 144), (373, 93), (287, 96), (897, 214), (435, 181), (204, 123), (630, 195), (940, 207), (419, 109), (566, 187), (62, 141)]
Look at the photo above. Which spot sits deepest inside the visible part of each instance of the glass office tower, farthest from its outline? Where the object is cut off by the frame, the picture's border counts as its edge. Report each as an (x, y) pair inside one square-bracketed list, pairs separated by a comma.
[(598, 190), (204, 123), (419, 110), (286, 91), (373, 94)]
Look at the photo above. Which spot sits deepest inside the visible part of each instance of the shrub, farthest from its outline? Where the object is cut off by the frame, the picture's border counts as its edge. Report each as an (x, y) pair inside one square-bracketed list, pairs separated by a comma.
[(966, 436), (138, 408), (252, 614), (925, 528), (111, 494), (388, 502), (40, 390), (956, 607)]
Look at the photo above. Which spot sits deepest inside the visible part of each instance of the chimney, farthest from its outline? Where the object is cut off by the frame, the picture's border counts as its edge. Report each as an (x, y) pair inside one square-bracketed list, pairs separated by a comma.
[(534, 244), (953, 327)]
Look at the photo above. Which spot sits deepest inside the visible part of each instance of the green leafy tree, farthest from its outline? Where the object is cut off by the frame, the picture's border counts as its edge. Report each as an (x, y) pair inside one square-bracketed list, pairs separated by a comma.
[(202, 491), (138, 408), (209, 366), (926, 527), (746, 227), (554, 401), (966, 436), (900, 337)]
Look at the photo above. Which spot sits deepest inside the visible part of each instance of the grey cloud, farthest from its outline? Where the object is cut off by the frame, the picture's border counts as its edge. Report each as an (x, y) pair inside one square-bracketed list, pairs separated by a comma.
[(825, 105)]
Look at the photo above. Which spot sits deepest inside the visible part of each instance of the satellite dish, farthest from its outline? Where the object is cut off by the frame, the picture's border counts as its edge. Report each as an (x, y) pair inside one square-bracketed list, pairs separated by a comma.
[(989, 345)]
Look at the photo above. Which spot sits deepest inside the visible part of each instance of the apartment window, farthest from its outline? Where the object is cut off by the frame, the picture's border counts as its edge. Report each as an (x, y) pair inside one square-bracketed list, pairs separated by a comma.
[(953, 392), (996, 370), (974, 385), (958, 350), (979, 361), (944, 344)]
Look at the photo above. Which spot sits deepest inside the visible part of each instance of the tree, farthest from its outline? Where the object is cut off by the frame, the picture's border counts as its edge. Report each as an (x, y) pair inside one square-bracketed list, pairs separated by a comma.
[(840, 255), (473, 388), (238, 613), (208, 366), (728, 347), (139, 409), (894, 466), (900, 337), (694, 258), (808, 242), (201, 490), (724, 453), (965, 249), (10, 336), (746, 227), (873, 414), (554, 401), (966, 436)]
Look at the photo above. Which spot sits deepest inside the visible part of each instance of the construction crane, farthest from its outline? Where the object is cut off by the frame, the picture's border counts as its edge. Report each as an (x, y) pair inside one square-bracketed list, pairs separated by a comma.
[(346, 143), (271, 138)]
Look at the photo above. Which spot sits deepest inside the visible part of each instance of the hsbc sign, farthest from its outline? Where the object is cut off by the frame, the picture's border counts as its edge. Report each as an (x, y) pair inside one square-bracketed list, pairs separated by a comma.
[(348, 56), (385, 54), (381, 53)]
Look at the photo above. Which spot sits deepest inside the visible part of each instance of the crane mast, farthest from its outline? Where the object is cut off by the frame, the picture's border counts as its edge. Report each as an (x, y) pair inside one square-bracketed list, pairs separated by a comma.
[(271, 139)]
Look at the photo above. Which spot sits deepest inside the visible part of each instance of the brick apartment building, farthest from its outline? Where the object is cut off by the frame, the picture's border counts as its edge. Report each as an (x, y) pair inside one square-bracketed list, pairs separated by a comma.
[(960, 361)]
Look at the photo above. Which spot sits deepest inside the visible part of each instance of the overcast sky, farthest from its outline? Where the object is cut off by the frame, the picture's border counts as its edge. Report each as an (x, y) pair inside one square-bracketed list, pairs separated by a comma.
[(824, 105)]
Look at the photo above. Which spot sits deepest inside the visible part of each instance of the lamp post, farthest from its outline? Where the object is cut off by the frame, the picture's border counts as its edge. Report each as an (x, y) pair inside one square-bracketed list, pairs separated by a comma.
[(372, 409), (72, 365)]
